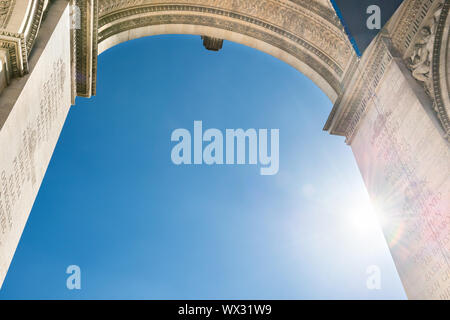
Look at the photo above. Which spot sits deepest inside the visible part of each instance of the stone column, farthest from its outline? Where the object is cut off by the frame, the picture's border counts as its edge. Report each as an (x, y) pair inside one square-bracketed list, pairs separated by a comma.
[(33, 109), (404, 158), (394, 115), (405, 163)]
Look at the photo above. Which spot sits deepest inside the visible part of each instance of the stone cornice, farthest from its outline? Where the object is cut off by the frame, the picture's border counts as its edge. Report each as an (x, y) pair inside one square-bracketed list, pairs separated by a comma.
[(221, 13), (15, 44), (19, 44), (367, 73), (321, 10), (346, 83), (6, 9), (401, 37), (287, 46), (85, 42), (307, 6), (35, 23), (409, 18), (306, 30), (323, 35)]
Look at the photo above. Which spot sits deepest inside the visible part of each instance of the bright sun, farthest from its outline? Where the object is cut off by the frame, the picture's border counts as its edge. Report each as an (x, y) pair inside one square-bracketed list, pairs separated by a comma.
[(361, 216)]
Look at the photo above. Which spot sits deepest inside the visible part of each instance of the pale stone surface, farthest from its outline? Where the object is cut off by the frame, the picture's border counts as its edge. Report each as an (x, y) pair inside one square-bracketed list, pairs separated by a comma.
[(305, 33), (404, 161), (223, 34), (32, 113), (4, 75), (20, 10), (395, 125)]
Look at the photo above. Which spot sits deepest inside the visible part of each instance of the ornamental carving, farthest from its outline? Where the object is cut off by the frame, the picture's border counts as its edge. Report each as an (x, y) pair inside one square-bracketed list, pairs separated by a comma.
[(421, 37), (421, 58), (441, 69), (17, 43), (299, 19), (6, 7)]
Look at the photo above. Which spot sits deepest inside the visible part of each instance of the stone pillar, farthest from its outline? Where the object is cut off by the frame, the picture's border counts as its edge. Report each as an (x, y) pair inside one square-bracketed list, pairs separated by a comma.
[(402, 152), (394, 115), (405, 163), (33, 109)]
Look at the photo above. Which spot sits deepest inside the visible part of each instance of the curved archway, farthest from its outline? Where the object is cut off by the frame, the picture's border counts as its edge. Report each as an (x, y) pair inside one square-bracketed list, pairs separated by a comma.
[(304, 34), (175, 79), (392, 122), (226, 35)]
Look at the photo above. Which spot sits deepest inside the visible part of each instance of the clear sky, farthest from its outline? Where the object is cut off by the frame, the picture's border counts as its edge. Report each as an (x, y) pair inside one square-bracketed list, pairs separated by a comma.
[(113, 203)]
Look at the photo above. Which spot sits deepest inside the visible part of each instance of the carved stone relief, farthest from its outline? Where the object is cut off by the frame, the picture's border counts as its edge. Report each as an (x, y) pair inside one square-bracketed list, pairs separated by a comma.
[(19, 43), (6, 7), (421, 58), (309, 31), (419, 35)]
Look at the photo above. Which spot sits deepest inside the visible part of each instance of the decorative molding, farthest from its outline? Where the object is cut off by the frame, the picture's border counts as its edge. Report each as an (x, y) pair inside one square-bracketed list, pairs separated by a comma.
[(321, 10), (86, 43), (311, 7), (346, 82), (6, 8), (420, 59), (296, 27), (15, 43), (440, 69), (412, 14), (351, 106), (419, 37), (294, 21), (279, 42), (19, 45), (368, 82), (35, 24)]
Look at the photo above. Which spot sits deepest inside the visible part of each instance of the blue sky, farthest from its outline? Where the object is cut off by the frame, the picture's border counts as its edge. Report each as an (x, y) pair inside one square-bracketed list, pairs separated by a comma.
[(113, 203)]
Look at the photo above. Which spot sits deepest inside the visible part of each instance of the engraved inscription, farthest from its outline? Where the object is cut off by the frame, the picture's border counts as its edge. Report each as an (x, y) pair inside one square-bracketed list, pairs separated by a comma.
[(36, 132), (418, 232)]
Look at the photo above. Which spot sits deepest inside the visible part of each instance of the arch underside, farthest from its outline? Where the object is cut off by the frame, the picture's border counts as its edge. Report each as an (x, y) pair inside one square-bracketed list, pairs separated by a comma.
[(305, 34)]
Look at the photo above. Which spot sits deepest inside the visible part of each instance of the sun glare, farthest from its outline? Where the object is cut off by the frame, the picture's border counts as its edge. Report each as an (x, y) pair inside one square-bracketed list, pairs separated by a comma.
[(362, 217)]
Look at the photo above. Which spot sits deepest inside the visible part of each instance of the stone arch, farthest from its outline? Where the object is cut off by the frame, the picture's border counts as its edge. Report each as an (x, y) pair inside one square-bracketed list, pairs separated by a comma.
[(395, 122), (225, 35), (304, 34)]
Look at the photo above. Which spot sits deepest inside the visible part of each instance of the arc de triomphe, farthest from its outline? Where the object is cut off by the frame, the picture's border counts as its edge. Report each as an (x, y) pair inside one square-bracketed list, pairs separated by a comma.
[(392, 105)]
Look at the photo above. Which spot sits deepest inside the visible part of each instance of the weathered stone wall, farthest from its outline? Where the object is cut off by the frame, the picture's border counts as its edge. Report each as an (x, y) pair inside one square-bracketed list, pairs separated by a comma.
[(32, 112), (404, 160)]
